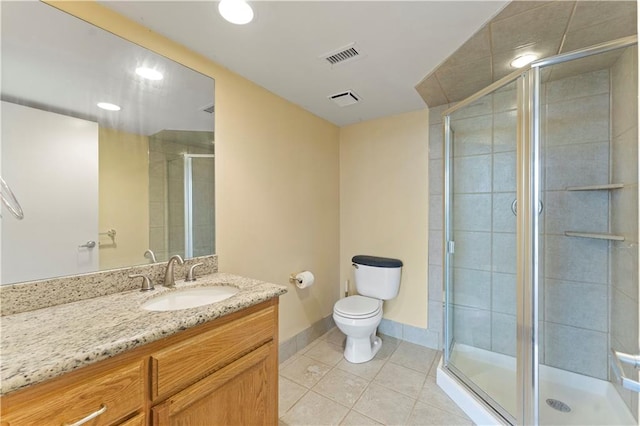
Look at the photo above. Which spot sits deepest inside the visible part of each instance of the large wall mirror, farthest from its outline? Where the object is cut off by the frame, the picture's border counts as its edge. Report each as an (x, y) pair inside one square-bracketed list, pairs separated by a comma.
[(98, 187)]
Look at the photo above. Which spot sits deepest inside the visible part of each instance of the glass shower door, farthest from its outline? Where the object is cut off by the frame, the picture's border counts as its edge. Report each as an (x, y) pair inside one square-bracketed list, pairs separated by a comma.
[(199, 204), (191, 199), (542, 295), (588, 279), (480, 247)]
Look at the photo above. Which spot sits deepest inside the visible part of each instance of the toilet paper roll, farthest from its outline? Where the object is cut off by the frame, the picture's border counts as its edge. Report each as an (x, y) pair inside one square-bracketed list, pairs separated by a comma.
[(304, 279)]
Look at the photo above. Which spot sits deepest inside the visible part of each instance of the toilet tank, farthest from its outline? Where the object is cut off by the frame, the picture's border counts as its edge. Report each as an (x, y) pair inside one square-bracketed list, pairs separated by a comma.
[(377, 277)]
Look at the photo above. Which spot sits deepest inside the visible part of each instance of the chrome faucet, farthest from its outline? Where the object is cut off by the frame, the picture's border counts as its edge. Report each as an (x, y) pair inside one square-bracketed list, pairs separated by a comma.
[(169, 278), (150, 255)]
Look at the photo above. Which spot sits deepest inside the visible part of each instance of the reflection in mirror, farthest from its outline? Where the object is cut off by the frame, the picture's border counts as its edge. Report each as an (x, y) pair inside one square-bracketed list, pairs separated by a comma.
[(99, 187)]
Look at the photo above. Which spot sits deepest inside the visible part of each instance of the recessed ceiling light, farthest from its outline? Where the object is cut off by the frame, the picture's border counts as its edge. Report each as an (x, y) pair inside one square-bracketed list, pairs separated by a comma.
[(236, 11), (523, 60), (108, 106), (149, 73)]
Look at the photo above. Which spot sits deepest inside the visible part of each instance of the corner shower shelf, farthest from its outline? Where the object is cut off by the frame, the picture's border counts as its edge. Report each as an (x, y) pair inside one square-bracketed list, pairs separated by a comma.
[(594, 235), (596, 187)]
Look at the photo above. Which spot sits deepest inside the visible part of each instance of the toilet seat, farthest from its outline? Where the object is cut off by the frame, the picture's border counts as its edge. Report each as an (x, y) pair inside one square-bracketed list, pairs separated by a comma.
[(358, 307)]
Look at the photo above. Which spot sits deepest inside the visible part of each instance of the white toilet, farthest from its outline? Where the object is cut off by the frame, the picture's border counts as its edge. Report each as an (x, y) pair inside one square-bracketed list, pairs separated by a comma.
[(377, 279)]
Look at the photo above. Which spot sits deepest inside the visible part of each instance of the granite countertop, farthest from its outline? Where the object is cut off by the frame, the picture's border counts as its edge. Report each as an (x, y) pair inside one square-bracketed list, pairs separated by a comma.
[(45, 343)]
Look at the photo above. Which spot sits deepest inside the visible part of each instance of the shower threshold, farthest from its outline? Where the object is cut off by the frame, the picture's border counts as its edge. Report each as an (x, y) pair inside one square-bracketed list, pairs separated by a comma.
[(574, 399)]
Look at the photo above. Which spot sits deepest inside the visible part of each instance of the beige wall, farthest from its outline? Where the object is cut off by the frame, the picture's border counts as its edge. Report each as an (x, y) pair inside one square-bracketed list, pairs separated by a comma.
[(277, 177), (123, 197), (384, 204), (278, 200)]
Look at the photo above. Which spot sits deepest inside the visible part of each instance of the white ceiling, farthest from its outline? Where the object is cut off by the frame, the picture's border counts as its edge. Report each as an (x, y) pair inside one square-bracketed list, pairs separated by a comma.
[(280, 49)]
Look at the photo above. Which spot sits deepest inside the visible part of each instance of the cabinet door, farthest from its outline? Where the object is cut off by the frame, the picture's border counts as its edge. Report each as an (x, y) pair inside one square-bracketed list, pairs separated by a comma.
[(244, 392), (180, 365), (112, 394), (139, 420)]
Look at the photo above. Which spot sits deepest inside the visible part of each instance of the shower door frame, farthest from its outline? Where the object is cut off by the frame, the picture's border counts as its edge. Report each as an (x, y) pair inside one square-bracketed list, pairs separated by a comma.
[(517, 76), (188, 200), (527, 226)]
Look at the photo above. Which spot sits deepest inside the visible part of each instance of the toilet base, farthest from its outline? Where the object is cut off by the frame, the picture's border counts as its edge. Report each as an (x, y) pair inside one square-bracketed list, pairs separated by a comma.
[(362, 349)]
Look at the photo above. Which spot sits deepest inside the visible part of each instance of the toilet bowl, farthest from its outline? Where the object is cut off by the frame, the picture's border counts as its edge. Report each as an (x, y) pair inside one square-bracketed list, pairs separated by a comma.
[(358, 318)]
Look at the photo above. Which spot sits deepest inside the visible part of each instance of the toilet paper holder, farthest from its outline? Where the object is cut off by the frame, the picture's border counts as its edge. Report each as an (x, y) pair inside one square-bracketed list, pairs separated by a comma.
[(293, 279), (302, 279)]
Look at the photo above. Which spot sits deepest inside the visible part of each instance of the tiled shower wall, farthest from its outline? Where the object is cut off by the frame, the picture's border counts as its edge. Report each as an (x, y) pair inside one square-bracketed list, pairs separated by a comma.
[(574, 301), (166, 199), (624, 213), (484, 184), (203, 206), (575, 152)]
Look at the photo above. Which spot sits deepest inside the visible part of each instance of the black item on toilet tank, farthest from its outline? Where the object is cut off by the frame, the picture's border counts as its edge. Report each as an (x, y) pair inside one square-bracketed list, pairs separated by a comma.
[(378, 262)]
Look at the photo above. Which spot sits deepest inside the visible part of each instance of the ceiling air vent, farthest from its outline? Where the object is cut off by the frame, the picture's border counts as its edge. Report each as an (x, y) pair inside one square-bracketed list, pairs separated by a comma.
[(345, 98), (342, 55)]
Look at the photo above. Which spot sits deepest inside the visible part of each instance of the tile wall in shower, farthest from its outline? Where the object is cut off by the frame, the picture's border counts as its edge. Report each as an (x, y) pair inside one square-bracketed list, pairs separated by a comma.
[(484, 265), (624, 213), (166, 199), (575, 149)]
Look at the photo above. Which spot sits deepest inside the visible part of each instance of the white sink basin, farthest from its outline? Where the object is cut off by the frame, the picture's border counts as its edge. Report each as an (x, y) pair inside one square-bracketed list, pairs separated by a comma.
[(189, 298)]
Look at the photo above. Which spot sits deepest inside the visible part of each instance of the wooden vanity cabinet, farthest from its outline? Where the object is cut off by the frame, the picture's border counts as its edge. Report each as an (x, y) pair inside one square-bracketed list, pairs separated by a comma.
[(227, 375), (113, 393), (241, 393), (224, 372)]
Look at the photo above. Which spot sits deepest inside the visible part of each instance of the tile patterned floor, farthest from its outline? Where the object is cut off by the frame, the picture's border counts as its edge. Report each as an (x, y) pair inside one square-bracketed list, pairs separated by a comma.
[(398, 387)]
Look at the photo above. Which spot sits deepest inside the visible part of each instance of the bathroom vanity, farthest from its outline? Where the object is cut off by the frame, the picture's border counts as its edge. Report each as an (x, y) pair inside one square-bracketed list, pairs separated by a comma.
[(215, 364)]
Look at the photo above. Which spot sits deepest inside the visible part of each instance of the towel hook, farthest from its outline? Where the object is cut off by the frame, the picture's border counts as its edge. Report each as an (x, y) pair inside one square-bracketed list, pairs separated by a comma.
[(10, 200)]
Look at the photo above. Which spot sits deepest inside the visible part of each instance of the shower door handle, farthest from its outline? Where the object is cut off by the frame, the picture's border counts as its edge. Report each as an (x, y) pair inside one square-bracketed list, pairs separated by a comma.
[(617, 358), (514, 207)]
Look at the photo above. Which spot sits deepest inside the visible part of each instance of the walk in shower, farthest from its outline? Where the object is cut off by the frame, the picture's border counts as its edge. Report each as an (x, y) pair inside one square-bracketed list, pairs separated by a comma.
[(190, 197), (181, 194), (541, 240)]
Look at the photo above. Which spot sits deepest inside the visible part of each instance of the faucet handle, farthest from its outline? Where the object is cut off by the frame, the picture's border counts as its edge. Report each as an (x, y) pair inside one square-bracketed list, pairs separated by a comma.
[(146, 282), (191, 276)]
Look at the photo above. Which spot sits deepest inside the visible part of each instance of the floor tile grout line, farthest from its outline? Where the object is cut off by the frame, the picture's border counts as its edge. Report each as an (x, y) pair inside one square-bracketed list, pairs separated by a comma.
[(338, 402), (363, 415), (412, 369), (413, 407), (417, 399), (394, 390), (297, 400), (365, 390), (345, 416), (388, 360)]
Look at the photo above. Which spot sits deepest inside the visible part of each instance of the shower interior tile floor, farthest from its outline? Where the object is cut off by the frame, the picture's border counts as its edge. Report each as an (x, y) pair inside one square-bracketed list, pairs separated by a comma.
[(317, 386)]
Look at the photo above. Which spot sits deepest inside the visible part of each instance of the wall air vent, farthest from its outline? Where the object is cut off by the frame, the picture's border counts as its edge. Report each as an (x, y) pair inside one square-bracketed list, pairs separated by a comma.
[(343, 55), (345, 98), (209, 109)]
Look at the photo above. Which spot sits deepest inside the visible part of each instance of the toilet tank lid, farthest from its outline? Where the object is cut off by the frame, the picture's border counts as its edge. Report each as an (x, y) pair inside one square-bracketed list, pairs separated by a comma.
[(379, 262)]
